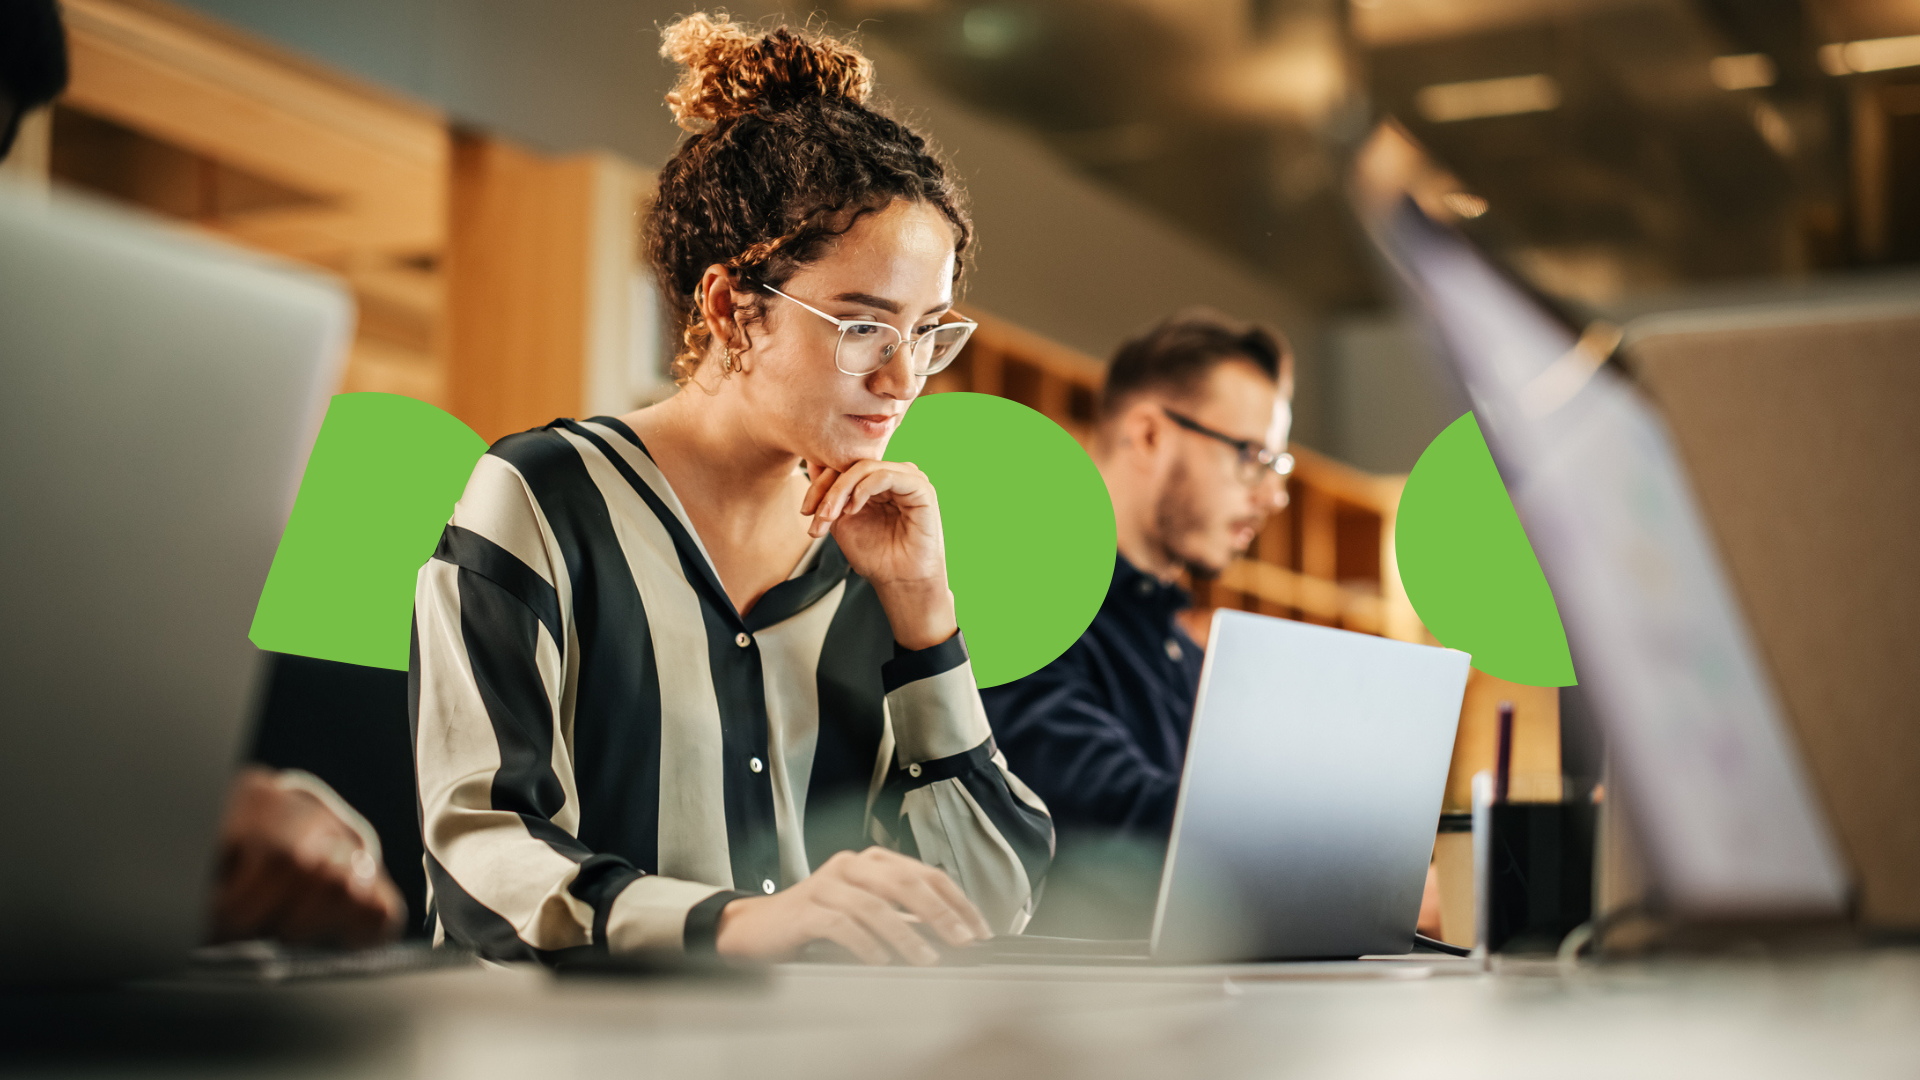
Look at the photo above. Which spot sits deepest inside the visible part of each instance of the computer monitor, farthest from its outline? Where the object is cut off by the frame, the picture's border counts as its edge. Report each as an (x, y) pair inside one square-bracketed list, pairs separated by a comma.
[(1702, 754), (158, 394)]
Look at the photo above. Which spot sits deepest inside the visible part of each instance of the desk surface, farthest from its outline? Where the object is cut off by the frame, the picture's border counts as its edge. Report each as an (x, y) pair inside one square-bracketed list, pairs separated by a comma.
[(1854, 1016)]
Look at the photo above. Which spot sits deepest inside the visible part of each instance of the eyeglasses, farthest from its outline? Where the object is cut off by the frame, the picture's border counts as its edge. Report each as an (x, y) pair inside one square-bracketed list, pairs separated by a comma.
[(1254, 460), (867, 345)]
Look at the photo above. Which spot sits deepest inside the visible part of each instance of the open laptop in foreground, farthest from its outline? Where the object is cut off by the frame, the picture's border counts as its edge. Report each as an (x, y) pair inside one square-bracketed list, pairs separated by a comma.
[(1313, 780), (1720, 802), (157, 397)]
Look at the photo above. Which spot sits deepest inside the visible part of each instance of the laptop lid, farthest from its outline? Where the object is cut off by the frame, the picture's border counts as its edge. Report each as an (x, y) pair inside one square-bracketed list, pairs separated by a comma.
[(1703, 756), (157, 395), (1314, 775)]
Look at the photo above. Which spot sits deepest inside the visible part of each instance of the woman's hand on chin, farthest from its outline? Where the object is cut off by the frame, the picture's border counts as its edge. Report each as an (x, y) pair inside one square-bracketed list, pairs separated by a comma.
[(886, 518), (867, 902)]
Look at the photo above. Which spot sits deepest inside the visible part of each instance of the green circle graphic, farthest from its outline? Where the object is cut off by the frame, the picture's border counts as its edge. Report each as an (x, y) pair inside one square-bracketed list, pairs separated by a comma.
[(1028, 525), (1468, 568), (379, 487)]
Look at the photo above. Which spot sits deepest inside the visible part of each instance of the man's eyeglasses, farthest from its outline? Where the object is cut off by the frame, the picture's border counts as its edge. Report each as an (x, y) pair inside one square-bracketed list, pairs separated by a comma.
[(867, 345), (1254, 459)]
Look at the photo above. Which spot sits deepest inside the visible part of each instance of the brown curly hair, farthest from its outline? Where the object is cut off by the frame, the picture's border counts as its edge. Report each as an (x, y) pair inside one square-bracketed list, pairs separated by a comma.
[(784, 157)]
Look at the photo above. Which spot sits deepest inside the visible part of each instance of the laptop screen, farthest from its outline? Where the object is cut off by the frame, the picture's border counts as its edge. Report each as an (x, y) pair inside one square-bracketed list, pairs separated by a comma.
[(1701, 750)]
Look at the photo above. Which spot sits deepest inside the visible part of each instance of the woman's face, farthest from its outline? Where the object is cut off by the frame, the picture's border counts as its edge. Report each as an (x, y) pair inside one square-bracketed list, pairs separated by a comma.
[(893, 266)]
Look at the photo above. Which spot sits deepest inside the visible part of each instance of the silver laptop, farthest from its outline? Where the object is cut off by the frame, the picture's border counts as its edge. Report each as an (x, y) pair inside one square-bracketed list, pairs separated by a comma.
[(1315, 770), (157, 396)]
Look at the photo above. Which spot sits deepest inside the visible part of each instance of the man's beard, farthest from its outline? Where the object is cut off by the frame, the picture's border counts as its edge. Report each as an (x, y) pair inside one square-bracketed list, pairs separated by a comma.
[(1175, 519)]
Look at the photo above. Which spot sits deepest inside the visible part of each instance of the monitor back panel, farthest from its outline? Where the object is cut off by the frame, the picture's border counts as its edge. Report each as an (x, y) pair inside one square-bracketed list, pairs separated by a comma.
[(156, 397), (1800, 429), (1312, 787)]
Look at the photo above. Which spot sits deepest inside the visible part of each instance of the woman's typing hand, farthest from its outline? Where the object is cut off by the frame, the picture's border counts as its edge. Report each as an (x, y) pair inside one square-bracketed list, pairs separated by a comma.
[(866, 902)]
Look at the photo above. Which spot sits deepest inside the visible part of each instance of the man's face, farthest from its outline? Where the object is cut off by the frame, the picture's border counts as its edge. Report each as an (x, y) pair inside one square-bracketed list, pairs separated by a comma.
[(1207, 511)]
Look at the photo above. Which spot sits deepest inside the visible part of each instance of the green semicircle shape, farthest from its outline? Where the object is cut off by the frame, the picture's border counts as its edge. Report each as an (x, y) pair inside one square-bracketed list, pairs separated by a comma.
[(1028, 526), (1468, 567)]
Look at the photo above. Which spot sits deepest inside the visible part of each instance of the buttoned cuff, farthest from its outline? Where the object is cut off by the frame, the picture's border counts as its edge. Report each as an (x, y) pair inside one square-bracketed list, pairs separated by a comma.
[(912, 665), (655, 912), (933, 702), (702, 931)]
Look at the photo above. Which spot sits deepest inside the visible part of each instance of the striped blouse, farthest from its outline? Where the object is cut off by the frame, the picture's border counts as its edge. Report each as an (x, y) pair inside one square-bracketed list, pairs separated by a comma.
[(608, 751)]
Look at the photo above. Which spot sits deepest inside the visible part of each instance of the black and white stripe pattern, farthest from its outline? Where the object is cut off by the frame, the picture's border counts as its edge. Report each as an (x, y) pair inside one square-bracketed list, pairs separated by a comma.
[(606, 748)]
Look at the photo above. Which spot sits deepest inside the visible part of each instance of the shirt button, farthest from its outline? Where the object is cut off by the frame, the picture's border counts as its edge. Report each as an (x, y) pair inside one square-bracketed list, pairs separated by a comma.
[(1146, 588), (767, 886), (754, 764), (1173, 650), (913, 769), (742, 640)]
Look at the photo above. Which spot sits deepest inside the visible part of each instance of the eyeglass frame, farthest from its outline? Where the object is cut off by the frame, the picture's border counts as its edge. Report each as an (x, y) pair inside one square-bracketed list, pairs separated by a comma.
[(1249, 451), (840, 325)]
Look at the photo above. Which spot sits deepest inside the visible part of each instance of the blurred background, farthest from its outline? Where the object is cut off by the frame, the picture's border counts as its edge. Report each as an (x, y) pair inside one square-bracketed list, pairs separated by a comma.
[(1125, 156), (474, 170)]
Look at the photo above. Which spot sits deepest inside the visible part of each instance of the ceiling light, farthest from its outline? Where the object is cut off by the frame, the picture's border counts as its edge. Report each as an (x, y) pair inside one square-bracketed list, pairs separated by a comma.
[(1301, 77), (1463, 204), (996, 32), (1748, 71), (1487, 97), (1774, 128), (1878, 54)]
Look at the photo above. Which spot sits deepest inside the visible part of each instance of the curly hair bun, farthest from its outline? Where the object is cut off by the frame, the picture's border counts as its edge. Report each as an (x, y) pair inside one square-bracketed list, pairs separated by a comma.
[(733, 70)]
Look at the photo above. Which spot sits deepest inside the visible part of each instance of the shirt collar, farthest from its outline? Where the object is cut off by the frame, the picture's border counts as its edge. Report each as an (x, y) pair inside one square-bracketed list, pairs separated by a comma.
[(1133, 586)]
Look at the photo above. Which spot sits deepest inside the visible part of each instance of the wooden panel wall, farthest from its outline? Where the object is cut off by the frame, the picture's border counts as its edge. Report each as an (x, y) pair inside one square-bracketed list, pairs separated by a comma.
[(375, 162), (188, 118), (517, 270), (538, 264)]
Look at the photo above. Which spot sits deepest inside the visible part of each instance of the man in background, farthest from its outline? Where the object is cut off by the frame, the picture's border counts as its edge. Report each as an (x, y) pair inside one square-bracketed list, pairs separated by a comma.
[(1192, 444), (294, 863)]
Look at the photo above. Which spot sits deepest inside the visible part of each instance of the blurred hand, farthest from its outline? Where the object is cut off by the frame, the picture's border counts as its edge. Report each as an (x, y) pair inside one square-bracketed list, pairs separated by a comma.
[(292, 870), (867, 902)]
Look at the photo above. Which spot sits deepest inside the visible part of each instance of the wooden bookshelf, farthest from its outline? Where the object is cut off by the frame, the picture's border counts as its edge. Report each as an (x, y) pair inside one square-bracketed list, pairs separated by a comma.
[(490, 280), (181, 115), (1327, 558)]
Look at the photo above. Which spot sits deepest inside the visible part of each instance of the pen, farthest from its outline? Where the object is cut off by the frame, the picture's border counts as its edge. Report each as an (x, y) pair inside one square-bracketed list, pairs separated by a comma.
[(1503, 762)]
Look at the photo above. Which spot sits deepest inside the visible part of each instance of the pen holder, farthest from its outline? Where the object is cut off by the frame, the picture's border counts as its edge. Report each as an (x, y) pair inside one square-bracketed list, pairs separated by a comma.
[(1533, 868)]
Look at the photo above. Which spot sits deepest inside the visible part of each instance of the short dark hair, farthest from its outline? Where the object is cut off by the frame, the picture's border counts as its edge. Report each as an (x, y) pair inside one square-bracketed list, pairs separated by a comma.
[(33, 60), (1180, 351)]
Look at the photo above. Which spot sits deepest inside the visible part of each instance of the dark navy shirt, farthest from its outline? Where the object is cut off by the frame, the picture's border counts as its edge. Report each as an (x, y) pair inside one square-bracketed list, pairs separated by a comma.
[(1101, 732)]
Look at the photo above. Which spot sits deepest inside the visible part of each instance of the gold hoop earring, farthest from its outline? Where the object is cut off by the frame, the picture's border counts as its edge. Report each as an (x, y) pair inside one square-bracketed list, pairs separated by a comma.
[(727, 364)]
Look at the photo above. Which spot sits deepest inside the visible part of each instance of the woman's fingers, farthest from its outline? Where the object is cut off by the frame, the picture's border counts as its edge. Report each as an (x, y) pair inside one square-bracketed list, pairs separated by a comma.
[(851, 491), (831, 504), (939, 882), (823, 479), (881, 920), (845, 930), (924, 890), (898, 483)]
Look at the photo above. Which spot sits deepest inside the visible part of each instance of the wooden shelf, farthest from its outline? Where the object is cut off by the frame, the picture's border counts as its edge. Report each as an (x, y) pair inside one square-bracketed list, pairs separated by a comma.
[(1328, 558)]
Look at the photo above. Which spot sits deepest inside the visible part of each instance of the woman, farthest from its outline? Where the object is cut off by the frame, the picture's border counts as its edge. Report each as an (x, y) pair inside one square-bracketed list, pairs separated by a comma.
[(691, 677)]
